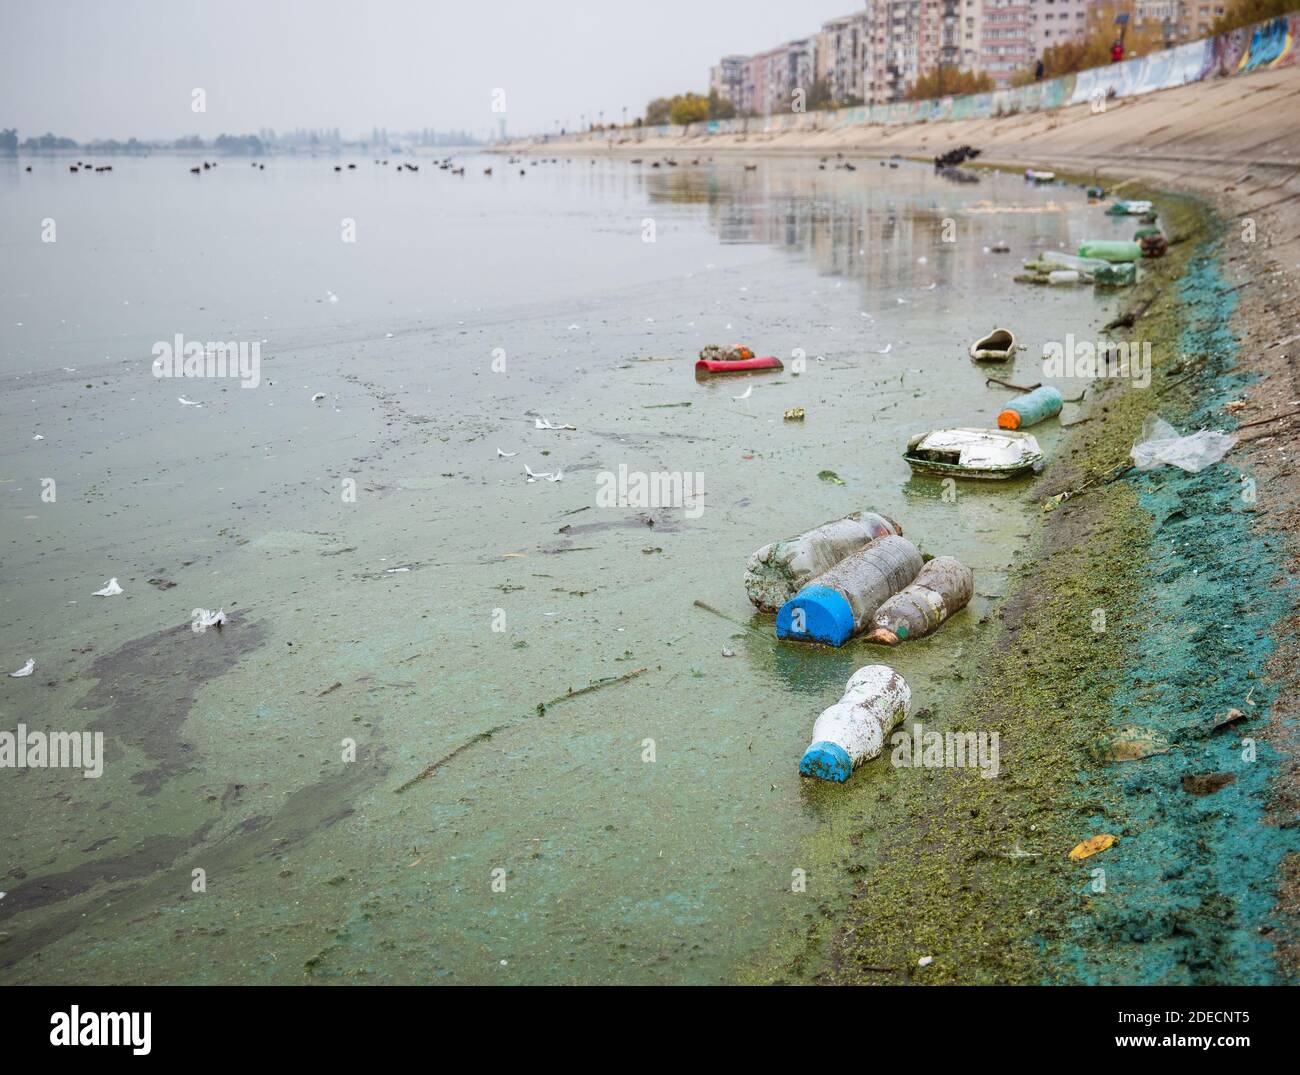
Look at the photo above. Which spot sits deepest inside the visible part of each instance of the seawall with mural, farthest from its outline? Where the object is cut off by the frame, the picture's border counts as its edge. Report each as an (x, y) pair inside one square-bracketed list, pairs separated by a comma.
[(1264, 45)]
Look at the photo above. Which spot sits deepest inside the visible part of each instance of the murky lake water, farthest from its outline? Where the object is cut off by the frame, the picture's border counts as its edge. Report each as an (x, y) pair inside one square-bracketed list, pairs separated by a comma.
[(372, 618)]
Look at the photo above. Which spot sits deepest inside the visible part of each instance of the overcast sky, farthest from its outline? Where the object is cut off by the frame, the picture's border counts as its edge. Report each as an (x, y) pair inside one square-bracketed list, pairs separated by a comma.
[(118, 68)]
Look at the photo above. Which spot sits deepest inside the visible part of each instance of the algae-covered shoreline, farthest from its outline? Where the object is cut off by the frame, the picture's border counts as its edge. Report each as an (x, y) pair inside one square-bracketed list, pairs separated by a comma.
[(972, 875)]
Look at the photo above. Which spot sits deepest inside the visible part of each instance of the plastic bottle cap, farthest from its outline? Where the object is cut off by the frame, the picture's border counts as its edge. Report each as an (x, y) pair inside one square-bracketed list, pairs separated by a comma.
[(826, 761), (1009, 419), (822, 612)]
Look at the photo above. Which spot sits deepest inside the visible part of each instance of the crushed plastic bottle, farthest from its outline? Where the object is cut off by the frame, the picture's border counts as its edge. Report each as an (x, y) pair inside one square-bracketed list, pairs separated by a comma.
[(1120, 274), (837, 604), (853, 730), (944, 586), (776, 572)]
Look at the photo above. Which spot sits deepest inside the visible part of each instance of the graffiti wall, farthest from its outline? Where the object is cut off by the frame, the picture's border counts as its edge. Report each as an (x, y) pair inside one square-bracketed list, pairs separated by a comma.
[(1263, 46)]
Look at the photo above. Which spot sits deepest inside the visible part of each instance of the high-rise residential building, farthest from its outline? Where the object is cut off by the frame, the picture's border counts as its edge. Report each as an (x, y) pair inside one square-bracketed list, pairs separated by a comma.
[(895, 50), (1005, 40), (1180, 20), (842, 55), (727, 80), (1053, 22)]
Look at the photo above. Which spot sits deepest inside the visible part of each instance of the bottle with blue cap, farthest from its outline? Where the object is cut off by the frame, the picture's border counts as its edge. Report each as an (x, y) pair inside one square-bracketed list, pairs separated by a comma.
[(840, 602), (853, 730)]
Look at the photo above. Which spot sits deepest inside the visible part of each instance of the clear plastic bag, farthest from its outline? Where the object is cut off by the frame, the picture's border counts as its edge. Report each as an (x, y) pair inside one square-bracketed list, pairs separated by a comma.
[(1160, 444)]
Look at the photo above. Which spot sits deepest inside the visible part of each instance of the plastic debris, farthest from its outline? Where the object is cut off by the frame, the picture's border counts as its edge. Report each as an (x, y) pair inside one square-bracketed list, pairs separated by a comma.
[(111, 589), (1227, 720), (202, 618), (1033, 407), (1060, 259), (987, 454), (925, 961), (943, 586), (830, 476), (736, 352), (1119, 274), (542, 423), (853, 730), (776, 572), (837, 604), (1092, 845), (794, 414), (24, 671), (549, 476), (188, 402), (1123, 207), (318, 397), (1131, 743), (506, 455), (1110, 249), (706, 366), (1160, 444), (745, 394), (997, 346)]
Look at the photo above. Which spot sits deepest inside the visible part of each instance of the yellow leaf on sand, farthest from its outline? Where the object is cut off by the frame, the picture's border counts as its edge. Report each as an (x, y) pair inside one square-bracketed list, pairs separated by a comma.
[(1092, 845)]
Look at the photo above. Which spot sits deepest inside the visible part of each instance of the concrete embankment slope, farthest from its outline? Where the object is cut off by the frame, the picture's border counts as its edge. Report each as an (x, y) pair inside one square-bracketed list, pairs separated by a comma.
[(1205, 130)]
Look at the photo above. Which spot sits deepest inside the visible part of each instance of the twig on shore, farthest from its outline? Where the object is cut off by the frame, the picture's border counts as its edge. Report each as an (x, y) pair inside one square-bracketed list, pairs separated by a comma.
[(1131, 315), (1008, 384), (729, 619), (1265, 421), (595, 685), (1102, 477)]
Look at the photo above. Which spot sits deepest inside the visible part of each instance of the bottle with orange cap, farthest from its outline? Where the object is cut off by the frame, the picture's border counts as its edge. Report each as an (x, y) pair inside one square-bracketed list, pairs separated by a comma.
[(1033, 407)]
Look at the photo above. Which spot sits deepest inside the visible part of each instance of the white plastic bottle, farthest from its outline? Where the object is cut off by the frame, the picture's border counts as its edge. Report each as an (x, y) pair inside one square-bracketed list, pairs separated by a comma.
[(838, 603), (853, 730), (1073, 261), (776, 572)]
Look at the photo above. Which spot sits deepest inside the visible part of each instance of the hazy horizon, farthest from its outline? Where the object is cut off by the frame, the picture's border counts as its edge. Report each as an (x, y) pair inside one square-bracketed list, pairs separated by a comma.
[(86, 71)]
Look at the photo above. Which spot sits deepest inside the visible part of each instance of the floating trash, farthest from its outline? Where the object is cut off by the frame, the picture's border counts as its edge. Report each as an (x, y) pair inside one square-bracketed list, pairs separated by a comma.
[(853, 730)]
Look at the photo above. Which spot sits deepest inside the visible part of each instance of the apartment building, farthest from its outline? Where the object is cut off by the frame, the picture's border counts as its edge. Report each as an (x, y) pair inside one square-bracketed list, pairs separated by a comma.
[(1005, 42), (1181, 20), (1052, 22), (841, 48), (727, 80), (895, 49)]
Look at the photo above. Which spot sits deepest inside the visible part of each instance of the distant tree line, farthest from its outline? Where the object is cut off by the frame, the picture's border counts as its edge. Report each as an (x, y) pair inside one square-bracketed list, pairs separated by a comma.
[(948, 82)]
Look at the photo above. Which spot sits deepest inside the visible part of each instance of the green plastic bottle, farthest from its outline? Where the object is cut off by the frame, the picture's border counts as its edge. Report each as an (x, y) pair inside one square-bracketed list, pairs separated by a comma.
[(1110, 249)]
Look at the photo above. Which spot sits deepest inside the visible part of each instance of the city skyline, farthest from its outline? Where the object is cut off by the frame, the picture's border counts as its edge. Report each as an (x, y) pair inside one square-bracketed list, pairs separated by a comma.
[(286, 64)]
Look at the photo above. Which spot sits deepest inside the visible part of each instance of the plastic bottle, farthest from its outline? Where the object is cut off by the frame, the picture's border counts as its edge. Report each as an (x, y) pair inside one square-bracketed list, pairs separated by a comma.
[(853, 730), (775, 572), (1059, 277), (1110, 250), (1072, 261), (1031, 408), (840, 602), (944, 586), (1121, 274)]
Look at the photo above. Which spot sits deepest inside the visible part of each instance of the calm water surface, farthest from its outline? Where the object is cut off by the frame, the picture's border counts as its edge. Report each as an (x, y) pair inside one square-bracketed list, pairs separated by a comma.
[(449, 596)]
